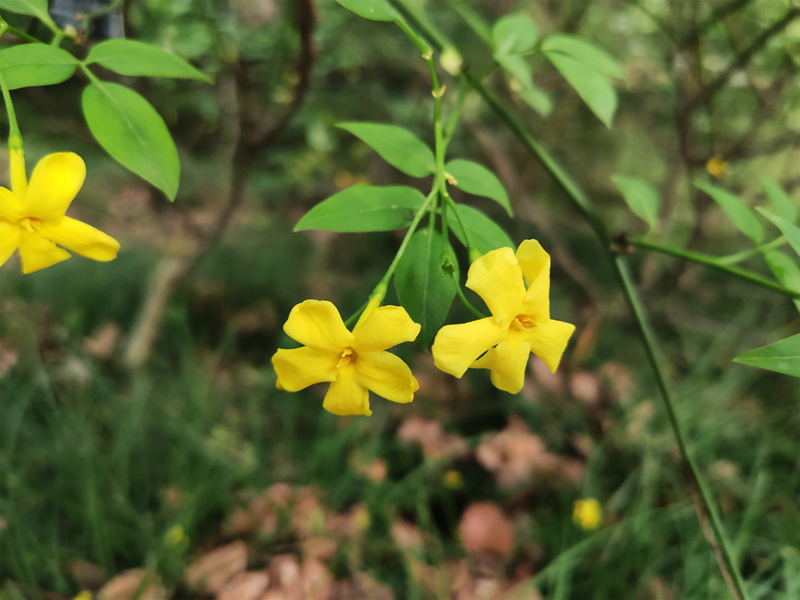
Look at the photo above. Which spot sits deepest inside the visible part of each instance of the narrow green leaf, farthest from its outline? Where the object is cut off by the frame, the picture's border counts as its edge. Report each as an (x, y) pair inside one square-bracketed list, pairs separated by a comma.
[(486, 234), (29, 65), (398, 146), (792, 232), (786, 270), (138, 59), (374, 10), (132, 132), (737, 211), (781, 357), (514, 34), (516, 66), (592, 86), (780, 200), (537, 99), (476, 179), (641, 198), (584, 52), (364, 208), (424, 290)]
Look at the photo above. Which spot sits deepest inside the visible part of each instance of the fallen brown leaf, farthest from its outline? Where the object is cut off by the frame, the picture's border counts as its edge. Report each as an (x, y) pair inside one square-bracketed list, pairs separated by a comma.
[(244, 586), (435, 442), (487, 534), (133, 584), (213, 569)]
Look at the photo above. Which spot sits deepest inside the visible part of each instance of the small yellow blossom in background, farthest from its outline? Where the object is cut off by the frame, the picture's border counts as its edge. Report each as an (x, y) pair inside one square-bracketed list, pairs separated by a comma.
[(175, 537), (587, 514), (520, 321), (32, 215), (354, 362), (84, 595), (453, 479), (716, 166)]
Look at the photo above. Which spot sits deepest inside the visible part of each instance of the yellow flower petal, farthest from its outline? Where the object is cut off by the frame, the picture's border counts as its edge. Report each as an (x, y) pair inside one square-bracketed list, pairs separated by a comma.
[(9, 240), (385, 327), (316, 323), (345, 396), (38, 252), (549, 340), (81, 238), (535, 265), (10, 206), (507, 362), (588, 514), (302, 367), (55, 182), (497, 278), (457, 346), (386, 375)]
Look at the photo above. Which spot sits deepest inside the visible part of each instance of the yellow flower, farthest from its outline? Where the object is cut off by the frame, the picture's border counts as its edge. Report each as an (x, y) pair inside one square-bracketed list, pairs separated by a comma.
[(354, 362), (520, 321), (587, 514), (84, 595), (716, 166), (32, 216)]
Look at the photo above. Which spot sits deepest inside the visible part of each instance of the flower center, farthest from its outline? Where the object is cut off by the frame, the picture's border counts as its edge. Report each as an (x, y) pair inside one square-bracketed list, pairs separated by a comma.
[(32, 224), (521, 322), (347, 355)]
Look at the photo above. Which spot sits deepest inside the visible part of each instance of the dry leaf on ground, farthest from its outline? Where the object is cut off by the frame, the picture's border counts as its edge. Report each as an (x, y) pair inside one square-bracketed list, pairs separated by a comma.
[(435, 442), (213, 569), (134, 583)]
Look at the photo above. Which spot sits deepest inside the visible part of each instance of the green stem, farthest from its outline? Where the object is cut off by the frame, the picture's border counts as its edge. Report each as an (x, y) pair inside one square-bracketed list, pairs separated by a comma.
[(712, 262), (473, 252), (463, 92), (584, 205), (14, 31), (411, 229), (466, 302), (13, 127), (475, 21), (733, 259), (651, 345)]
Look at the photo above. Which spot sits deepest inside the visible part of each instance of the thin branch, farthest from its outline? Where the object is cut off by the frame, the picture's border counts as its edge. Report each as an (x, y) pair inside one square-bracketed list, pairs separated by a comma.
[(742, 59)]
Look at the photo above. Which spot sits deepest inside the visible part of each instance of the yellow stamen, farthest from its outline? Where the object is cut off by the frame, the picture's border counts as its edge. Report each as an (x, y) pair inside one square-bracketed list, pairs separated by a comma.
[(523, 322), (19, 180), (31, 224), (347, 355)]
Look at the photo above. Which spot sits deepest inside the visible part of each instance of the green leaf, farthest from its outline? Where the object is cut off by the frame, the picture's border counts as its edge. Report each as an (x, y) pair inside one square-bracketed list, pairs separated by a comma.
[(781, 357), (477, 179), (138, 59), (588, 54), (516, 66), (641, 198), (33, 8), (364, 208), (374, 10), (737, 211), (537, 99), (398, 146), (424, 290), (592, 86), (786, 270), (486, 234), (132, 132), (29, 65), (514, 34), (779, 199), (792, 232)]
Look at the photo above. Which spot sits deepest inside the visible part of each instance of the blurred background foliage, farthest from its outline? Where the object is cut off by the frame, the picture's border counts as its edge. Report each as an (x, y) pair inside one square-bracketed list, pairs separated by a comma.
[(141, 427)]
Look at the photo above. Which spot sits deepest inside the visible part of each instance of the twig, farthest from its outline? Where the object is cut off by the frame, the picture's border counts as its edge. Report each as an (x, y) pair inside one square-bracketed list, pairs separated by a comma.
[(241, 150), (586, 208)]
